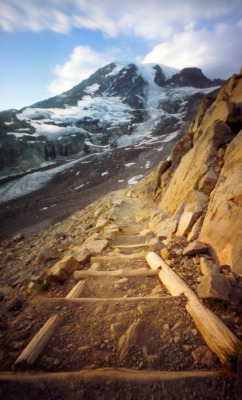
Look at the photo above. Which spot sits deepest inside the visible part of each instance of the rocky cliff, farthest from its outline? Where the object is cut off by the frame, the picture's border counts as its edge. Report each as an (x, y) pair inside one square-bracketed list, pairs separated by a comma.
[(199, 193)]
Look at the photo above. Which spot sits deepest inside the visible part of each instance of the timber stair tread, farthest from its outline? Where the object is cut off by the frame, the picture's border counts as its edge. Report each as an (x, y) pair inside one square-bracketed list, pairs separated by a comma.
[(115, 328)]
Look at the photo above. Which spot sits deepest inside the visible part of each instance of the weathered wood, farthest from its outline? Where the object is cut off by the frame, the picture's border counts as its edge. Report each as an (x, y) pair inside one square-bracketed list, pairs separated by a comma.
[(117, 273), (110, 374), (54, 301), (216, 334), (130, 246), (76, 291), (36, 346), (121, 257), (38, 343)]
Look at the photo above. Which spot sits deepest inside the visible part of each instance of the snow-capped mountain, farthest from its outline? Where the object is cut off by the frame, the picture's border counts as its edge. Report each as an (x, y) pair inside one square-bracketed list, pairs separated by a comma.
[(122, 109)]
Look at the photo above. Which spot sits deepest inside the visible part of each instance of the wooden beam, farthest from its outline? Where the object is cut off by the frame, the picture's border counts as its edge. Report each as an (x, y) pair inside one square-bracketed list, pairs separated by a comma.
[(38, 343), (130, 246), (36, 346), (109, 374), (117, 273), (54, 301), (215, 333)]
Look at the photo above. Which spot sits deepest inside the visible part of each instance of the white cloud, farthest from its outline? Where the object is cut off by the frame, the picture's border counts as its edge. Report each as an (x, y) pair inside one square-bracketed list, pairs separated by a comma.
[(82, 63), (150, 20), (217, 52)]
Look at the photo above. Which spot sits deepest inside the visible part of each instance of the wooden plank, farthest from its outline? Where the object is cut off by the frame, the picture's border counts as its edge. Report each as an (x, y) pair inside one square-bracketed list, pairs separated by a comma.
[(110, 374), (130, 246), (76, 291), (38, 343), (117, 273), (215, 333), (54, 301), (36, 346), (121, 257)]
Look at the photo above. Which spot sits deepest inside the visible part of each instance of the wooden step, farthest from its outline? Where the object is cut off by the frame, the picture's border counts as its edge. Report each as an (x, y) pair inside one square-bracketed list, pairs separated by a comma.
[(120, 383), (120, 273), (216, 334), (117, 257)]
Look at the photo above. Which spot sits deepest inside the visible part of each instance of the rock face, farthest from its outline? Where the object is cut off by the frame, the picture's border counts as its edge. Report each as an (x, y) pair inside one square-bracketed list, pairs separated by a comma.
[(202, 189), (222, 227)]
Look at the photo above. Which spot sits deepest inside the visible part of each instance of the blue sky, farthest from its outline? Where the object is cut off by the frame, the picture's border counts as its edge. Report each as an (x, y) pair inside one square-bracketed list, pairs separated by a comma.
[(48, 46)]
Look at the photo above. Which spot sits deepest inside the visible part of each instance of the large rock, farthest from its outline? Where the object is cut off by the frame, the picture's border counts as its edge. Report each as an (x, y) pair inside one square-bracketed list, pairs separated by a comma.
[(63, 267), (48, 254), (194, 248), (222, 227), (208, 266), (214, 286), (191, 213), (97, 246), (81, 254), (196, 229), (208, 181)]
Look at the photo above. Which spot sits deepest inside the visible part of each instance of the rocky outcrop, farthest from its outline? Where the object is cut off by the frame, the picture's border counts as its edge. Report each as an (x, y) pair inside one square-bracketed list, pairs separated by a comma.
[(201, 192), (222, 227)]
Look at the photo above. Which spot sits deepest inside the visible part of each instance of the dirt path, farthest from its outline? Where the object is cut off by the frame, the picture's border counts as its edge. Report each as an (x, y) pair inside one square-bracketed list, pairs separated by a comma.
[(131, 341)]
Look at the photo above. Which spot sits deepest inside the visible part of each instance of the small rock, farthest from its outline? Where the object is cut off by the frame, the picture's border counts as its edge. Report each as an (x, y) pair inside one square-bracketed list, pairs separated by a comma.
[(18, 237), (4, 291), (155, 244), (166, 327), (166, 254), (208, 266), (202, 355), (48, 254), (97, 246), (56, 362), (14, 304), (17, 345), (20, 335), (214, 285), (194, 332), (195, 247), (177, 339), (101, 223)]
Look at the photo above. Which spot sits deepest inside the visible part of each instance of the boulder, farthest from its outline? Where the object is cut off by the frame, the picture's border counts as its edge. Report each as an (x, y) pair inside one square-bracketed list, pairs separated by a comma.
[(101, 223), (48, 254), (155, 244), (81, 254), (63, 267), (97, 246), (222, 227), (214, 286), (194, 248), (130, 338), (196, 229), (208, 181), (208, 266), (190, 215)]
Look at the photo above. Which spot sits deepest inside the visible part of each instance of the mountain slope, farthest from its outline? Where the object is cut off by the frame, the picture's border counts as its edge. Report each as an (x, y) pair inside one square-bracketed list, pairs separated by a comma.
[(118, 106)]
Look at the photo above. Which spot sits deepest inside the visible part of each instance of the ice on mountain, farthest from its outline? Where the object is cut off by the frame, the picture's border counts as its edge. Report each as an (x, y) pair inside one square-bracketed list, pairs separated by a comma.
[(135, 179), (104, 173), (92, 89), (129, 164)]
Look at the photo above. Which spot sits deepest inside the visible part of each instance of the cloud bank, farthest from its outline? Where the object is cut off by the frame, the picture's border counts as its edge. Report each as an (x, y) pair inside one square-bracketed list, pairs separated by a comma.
[(82, 63), (201, 33)]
